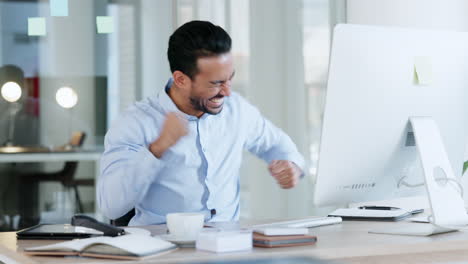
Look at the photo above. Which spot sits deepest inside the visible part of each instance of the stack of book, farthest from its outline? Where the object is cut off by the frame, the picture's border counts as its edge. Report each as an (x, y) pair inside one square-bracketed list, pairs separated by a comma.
[(282, 237)]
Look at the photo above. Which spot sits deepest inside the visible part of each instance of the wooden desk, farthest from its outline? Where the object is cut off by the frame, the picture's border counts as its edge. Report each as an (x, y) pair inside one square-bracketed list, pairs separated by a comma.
[(79, 155), (346, 243)]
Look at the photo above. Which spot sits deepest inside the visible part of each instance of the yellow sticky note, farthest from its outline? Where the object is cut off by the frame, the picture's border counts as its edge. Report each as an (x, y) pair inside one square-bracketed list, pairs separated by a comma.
[(423, 70), (105, 24), (36, 26)]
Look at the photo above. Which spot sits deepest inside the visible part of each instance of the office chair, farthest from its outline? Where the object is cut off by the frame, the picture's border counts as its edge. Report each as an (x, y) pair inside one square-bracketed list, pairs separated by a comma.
[(65, 176), (124, 220)]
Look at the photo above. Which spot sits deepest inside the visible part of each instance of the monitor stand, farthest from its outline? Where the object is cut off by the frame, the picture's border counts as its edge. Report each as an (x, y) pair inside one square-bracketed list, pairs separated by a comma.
[(443, 188)]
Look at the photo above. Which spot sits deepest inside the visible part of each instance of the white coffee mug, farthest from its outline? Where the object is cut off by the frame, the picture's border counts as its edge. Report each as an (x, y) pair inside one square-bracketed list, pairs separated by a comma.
[(185, 225)]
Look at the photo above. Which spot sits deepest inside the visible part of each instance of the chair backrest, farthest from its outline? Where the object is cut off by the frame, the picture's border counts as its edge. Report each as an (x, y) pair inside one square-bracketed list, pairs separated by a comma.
[(68, 171), (77, 139), (125, 219)]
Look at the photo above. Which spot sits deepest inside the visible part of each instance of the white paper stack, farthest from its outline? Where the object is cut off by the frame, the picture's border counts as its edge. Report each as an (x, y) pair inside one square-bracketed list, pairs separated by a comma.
[(216, 240)]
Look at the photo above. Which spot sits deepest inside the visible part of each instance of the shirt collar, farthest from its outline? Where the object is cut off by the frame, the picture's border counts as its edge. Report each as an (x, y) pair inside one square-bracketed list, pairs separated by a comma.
[(168, 105)]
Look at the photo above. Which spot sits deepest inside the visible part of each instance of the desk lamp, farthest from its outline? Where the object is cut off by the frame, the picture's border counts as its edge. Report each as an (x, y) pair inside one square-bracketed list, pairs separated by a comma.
[(67, 98), (11, 92)]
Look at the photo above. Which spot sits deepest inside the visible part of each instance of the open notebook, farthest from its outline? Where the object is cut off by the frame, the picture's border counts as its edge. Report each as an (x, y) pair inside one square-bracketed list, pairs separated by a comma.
[(130, 247)]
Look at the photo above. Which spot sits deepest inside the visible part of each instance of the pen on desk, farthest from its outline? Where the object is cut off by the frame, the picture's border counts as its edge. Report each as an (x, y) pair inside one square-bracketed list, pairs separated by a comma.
[(374, 207)]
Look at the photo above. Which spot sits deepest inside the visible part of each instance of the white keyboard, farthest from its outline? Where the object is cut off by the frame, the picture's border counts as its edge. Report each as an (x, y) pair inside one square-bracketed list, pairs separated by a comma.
[(305, 222)]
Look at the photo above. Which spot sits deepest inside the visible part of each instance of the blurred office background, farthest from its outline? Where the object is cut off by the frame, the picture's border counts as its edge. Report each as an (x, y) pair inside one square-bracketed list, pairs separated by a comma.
[(281, 50)]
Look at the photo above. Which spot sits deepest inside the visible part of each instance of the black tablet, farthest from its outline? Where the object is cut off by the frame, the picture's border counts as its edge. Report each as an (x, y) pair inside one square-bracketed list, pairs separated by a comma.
[(57, 231)]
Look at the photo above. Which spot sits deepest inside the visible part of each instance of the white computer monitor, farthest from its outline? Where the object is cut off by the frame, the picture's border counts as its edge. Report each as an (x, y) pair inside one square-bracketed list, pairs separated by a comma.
[(367, 150)]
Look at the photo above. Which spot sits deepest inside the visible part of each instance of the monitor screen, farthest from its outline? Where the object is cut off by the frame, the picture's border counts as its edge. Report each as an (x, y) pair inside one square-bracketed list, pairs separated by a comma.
[(379, 77)]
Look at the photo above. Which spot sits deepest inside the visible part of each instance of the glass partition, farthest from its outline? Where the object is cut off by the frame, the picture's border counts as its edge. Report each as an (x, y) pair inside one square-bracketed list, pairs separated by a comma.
[(103, 55)]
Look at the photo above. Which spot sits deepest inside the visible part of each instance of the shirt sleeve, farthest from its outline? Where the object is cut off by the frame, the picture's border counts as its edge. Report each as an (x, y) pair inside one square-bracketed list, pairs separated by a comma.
[(267, 141), (127, 168)]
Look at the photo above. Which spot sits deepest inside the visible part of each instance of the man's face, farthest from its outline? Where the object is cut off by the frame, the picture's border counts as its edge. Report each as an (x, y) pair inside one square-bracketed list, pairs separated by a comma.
[(211, 84)]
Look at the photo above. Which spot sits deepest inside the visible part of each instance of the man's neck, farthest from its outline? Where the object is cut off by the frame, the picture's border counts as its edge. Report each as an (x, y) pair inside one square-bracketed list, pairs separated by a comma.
[(179, 101)]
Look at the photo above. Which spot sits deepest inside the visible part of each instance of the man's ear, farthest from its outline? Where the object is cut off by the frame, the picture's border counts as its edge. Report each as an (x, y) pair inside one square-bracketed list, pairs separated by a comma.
[(181, 79)]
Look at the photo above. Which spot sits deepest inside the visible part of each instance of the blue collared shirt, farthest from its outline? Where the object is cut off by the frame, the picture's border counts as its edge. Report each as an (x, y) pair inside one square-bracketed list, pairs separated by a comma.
[(197, 174)]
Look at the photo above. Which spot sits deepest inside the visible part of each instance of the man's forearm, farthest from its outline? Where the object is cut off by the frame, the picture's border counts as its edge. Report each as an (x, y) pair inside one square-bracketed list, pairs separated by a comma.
[(158, 147)]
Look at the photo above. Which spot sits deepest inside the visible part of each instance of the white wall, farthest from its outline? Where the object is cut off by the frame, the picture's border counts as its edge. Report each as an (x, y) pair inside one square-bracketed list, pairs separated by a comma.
[(277, 89), (429, 14), (157, 24)]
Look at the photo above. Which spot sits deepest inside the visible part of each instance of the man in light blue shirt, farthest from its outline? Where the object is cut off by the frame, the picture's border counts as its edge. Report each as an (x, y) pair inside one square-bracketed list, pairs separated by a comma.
[(181, 150)]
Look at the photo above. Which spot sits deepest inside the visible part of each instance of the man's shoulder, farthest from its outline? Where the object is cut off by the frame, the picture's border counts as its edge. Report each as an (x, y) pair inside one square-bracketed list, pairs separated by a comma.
[(141, 111), (240, 103), (237, 100)]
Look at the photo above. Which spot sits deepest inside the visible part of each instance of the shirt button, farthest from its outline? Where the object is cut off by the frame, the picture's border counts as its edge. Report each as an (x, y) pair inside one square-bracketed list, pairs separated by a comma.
[(204, 149)]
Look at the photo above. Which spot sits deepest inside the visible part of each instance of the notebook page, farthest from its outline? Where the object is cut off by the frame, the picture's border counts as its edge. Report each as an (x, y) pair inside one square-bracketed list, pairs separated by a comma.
[(75, 245), (139, 245)]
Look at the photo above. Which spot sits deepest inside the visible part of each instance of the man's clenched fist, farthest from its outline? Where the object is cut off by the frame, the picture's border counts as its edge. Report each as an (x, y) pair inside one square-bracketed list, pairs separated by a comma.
[(285, 172)]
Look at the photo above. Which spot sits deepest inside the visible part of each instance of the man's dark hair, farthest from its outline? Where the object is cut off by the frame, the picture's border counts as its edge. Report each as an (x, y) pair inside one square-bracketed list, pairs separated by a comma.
[(193, 40)]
